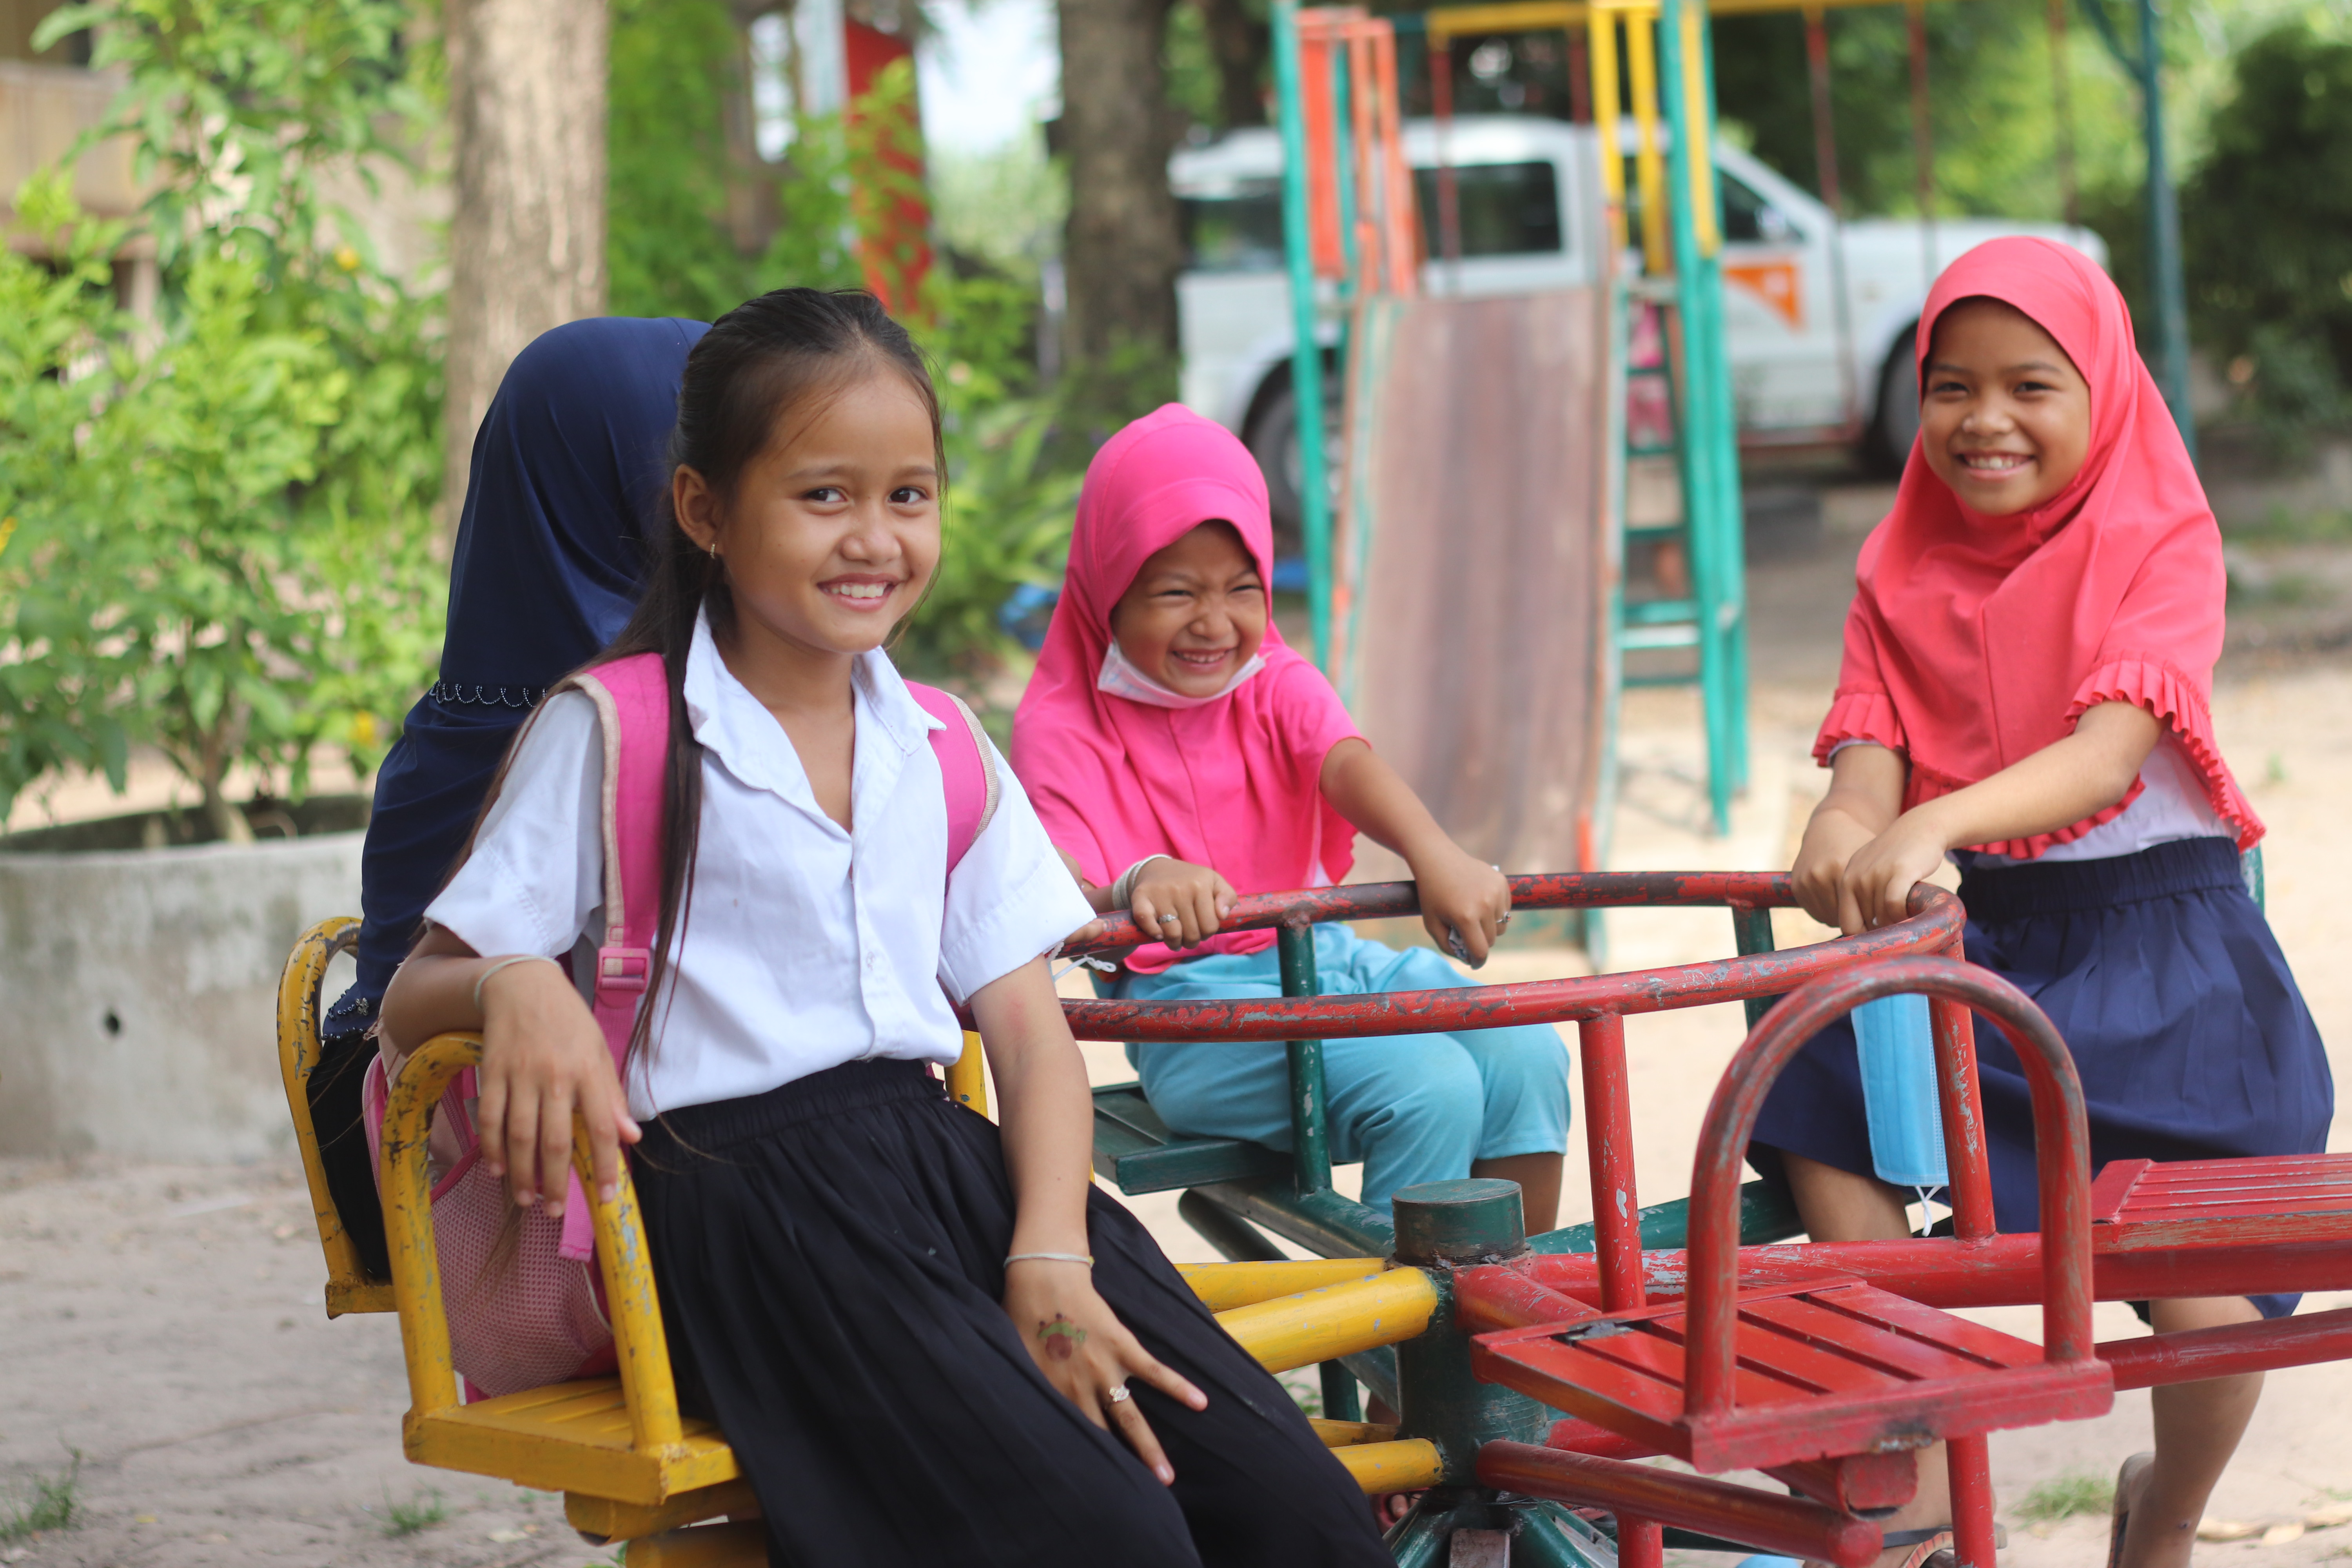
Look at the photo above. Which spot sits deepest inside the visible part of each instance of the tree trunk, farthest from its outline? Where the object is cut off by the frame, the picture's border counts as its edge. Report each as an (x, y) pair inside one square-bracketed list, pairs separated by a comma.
[(1240, 44), (527, 238), (1122, 247)]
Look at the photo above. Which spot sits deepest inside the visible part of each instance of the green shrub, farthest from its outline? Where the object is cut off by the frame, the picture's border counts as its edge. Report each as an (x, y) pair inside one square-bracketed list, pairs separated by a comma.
[(220, 527), (2267, 230)]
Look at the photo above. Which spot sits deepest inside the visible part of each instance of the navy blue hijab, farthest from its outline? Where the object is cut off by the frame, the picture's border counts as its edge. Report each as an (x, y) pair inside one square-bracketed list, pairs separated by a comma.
[(566, 474), (567, 471)]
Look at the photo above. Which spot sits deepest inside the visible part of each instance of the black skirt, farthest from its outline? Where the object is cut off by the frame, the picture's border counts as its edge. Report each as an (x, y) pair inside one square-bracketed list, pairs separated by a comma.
[(830, 1257), (2190, 1036)]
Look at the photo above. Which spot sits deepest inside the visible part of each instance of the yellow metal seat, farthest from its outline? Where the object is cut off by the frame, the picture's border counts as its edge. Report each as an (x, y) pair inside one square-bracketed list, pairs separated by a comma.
[(632, 1469)]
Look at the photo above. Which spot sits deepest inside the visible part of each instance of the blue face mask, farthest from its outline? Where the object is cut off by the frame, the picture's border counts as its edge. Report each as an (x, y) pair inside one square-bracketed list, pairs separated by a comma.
[(1897, 1054)]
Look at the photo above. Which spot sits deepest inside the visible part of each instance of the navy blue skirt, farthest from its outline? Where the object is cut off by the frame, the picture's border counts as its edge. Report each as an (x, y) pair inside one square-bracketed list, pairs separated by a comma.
[(2165, 982)]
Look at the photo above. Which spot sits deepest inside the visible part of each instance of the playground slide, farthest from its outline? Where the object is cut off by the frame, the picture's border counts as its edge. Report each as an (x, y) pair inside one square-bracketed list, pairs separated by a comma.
[(1474, 556)]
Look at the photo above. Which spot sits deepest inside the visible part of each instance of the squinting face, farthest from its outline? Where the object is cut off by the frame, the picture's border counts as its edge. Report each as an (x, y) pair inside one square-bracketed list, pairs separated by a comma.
[(1195, 613), (2004, 416), (835, 527)]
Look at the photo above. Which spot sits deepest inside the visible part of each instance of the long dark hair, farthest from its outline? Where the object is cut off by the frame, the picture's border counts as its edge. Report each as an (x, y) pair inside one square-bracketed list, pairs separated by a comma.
[(765, 367)]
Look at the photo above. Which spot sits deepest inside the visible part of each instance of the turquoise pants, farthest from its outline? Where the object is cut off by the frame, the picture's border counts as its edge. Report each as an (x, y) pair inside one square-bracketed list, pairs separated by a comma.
[(1412, 1108)]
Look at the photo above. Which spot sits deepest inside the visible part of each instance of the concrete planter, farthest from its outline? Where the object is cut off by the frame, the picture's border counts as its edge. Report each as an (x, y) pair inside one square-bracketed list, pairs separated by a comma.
[(138, 995)]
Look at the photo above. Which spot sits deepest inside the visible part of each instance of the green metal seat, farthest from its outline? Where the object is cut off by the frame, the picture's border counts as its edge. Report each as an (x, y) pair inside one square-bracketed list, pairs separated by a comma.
[(1136, 1152)]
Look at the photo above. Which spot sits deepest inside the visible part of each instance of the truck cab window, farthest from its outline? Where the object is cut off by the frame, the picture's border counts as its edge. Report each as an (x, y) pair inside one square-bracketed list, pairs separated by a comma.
[(1237, 229), (1749, 217), (1507, 209)]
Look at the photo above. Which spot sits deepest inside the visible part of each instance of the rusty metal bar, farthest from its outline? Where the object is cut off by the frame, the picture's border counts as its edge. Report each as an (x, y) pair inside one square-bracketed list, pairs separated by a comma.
[(2062, 1137), (1609, 1146), (1310, 1128), (1935, 921), (1778, 1525), (1969, 1462), (2195, 1354)]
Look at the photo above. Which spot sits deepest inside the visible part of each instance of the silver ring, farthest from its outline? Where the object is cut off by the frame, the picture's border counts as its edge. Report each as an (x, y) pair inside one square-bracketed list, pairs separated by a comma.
[(1169, 921), (1116, 1394)]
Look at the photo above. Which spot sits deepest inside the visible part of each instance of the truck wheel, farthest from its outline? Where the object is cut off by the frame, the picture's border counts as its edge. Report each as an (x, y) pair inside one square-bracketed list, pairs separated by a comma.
[(1887, 446), (1273, 440)]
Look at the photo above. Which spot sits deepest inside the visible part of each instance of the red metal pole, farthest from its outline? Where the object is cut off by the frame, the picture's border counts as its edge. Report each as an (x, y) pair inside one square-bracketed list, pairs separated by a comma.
[(1759, 1519), (1608, 1145), (1640, 1542), (1962, 1103), (1969, 1461), (1449, 194), (1579, 78), (2194, 1355)]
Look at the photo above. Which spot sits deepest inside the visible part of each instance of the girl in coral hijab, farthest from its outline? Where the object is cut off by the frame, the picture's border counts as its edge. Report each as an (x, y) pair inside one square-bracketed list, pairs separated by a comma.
[(1178, 752), (2029, 669)]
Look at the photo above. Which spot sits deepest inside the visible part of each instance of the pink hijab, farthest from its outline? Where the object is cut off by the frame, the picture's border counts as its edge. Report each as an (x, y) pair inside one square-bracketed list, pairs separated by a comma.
[(1976, 641), (1233, 784)]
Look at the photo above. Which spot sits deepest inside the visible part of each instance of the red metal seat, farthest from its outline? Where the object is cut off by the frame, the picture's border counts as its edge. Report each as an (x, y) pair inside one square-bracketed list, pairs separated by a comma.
[(1823, 1371), (2186, 1196), (1827, 1367)]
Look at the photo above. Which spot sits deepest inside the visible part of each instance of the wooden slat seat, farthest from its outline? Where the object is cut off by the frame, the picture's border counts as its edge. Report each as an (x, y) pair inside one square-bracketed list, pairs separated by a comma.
[(1136, 1152), (2185, 1197), (1822, 1369)]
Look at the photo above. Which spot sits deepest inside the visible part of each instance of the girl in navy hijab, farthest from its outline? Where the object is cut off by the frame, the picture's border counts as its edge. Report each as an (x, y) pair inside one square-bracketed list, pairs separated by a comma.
[(566, 467)]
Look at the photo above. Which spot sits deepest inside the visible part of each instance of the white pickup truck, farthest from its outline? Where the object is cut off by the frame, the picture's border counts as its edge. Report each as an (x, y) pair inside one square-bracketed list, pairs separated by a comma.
[(1530, 218)]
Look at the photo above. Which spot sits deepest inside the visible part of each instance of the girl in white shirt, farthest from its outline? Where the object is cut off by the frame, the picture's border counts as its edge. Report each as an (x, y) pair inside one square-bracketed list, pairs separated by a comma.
[(927, 1342)]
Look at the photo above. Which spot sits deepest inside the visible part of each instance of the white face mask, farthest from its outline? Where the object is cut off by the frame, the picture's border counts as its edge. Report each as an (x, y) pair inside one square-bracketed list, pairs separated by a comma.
[(1121, 678)]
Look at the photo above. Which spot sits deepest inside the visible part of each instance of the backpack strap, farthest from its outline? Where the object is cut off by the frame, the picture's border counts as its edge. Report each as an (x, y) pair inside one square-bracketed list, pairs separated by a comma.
[(632, 698), (967, 764)]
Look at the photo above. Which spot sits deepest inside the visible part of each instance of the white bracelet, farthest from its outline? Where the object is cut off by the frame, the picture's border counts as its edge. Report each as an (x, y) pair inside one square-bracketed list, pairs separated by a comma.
[(1049, 1258), (501, 963), (1122, 891)]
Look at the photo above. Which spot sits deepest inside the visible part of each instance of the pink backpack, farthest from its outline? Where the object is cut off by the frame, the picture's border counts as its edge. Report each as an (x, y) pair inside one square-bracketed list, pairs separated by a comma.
[(536, 1316)]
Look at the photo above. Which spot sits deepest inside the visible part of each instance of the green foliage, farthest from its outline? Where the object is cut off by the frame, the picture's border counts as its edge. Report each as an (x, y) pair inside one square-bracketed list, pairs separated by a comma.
[(1991, 106), (2267, 230), (2067, 1496), (54, 1504), (222, 517), (1003, 207), (236, 105), (667, 247), (1011, 493)]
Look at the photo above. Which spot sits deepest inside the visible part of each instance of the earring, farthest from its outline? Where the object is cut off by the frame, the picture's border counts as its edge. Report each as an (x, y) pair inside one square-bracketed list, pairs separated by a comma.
[(713, 548)]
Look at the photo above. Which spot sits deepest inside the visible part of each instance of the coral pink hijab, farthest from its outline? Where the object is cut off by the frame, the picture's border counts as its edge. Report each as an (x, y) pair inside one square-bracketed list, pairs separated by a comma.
[(1233, 783), (1975, 641)]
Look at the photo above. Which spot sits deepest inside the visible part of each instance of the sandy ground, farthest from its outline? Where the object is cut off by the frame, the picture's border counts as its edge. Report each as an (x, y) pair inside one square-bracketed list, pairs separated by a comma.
[(164, 1324)]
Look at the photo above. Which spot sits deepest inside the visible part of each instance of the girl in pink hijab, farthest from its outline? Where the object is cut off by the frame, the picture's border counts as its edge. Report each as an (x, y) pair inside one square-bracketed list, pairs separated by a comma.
[(1180, 753), (2027, 689)]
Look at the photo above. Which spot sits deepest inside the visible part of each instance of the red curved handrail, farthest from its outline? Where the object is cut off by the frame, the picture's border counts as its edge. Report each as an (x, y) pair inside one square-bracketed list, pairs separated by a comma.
[(1934, 925), (2062, 1136)]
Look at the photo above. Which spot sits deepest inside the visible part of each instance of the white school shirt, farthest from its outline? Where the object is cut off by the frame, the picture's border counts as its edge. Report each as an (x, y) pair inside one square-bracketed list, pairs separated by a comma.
[(806, 945), (2171, 805)]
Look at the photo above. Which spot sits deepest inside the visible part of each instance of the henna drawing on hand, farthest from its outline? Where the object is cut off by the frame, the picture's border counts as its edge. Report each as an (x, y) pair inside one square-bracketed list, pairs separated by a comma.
[(1062, 1336)]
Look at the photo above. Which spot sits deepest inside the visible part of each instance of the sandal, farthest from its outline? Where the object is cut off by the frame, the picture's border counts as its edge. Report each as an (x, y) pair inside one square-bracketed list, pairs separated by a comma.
[(2120, 1521)]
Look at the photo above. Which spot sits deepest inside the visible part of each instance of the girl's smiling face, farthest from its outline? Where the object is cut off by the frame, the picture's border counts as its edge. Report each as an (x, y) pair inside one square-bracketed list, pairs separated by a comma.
[(2004, 416), (1196, 614), (834, 527)]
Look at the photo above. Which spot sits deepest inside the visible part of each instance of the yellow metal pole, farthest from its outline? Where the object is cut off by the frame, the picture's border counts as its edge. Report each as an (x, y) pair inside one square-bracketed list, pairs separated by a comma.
[(967, 1079), (1380, 1469), (408, 1221), (1642, 64), (1704, 227), (1336, 1320), (1222, 1286), (1605, 121), (349, 1290), (648, 1387)]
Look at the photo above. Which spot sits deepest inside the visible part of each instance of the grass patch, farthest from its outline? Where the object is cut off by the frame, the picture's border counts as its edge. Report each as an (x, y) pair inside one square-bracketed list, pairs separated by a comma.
[(423, 1511), (2067, 1496), (55, 1503)]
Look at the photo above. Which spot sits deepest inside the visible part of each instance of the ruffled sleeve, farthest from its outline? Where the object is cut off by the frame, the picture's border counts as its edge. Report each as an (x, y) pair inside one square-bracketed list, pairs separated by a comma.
[(1861, 709), (2160, 686)]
